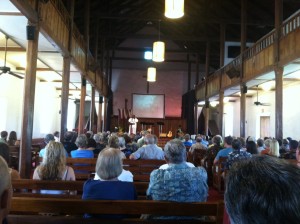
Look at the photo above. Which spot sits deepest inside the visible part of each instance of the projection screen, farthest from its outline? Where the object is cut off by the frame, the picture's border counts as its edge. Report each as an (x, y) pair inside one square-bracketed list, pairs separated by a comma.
[(148, 105)]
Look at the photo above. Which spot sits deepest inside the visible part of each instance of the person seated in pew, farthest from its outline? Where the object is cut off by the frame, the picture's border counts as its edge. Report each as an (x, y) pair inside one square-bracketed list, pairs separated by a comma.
[(149, 151), (187, 141), (68, 144), (3, 137), (224, 152), (54, 166), (263, 189), (5, 190), (166, 166), (100, 145), (178, 182), (4, 152), (82, 151), (47, 139), (197, 145), (109, 166)]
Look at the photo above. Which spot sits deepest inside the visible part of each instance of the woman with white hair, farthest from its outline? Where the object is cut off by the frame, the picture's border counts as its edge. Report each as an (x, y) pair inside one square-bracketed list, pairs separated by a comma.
[(108, 187)]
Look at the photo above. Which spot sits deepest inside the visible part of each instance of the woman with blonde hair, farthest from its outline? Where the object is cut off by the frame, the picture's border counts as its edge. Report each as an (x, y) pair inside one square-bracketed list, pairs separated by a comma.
[(274, 148), (54, 166)]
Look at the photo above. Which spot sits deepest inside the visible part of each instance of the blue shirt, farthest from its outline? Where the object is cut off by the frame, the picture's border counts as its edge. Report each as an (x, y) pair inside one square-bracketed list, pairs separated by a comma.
[(151, 151), (223, 153), (82, 153), (179, 183), (108, 190), (43, 152)]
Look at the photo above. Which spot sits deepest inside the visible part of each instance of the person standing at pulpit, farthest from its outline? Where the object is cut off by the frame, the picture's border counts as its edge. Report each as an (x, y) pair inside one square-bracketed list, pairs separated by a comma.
[(132, 124)]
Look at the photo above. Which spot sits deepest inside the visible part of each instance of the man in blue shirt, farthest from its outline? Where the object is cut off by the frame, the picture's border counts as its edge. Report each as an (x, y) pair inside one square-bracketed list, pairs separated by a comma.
[(225, 152)]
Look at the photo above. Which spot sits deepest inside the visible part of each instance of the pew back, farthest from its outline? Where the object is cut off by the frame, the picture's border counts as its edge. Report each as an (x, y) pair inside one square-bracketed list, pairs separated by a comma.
[(213, 210), (31, 188)]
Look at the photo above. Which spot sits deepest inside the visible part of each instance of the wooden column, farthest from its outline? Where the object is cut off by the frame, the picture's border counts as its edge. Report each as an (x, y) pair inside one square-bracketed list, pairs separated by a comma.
[(65, 96), (221, 92), (87, 26), (222, 44), (206, 77), (278, 72), (206, 114), (197, 69), (195, 118), (28, 105), (105, 128), (82, 107), (243, 47), (242, 113), (99, 121), (189, 72), (92, 111), (221, 112), (278, 102)]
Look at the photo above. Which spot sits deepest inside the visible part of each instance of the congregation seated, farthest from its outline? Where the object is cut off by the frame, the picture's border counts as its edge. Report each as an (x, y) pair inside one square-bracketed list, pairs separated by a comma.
[(48, 138), (178, 182), (12, 139), (256, 194), (251, 147), (260, 145), (267, 143), (187, 140), (69, 145), (291, 154), (54, 166), (197, 145), (100, 145), (82, 151), (224, 152), (91, 141), (108, 187), (130, 146), (3, 136), (149, 151), (5, 190), (274, 148), (237, 154), (4, 152)]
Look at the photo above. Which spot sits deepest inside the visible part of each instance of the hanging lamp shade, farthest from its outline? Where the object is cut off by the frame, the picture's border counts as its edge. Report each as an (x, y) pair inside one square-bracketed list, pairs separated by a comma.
[(174, 9), (158, 51), (151, 74)]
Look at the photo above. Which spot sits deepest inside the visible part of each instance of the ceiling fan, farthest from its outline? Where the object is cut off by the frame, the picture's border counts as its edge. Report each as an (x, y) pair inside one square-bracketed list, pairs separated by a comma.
[(6, 70), (258, 103)]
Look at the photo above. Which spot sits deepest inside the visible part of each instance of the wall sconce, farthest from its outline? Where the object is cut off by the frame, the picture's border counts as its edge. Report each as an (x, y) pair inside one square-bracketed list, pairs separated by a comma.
[(174, 9), (151, 74)]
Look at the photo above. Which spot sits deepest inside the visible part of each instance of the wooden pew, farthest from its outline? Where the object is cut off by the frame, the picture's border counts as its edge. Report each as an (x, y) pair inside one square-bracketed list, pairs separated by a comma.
[(141, 169), (31, 188), (218, 179), (26, 210)]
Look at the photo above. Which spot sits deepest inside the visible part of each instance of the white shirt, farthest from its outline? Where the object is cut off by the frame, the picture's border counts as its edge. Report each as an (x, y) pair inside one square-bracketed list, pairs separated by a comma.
[(124, 176), (165, 166)]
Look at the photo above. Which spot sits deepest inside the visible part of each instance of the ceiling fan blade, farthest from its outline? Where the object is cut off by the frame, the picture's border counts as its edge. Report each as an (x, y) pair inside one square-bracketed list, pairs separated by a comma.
[(18, 76)]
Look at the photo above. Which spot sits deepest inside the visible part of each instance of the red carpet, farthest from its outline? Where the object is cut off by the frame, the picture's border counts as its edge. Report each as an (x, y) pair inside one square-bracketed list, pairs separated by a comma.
[(214, 195)]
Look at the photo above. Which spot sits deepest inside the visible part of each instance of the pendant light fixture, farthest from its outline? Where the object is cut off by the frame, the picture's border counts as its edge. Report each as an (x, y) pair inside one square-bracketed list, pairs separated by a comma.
[(151, 74), (174, 9), (158, 48)]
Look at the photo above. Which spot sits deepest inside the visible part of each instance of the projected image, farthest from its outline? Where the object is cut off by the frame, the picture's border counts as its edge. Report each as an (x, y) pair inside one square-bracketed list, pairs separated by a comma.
[(148, 106)]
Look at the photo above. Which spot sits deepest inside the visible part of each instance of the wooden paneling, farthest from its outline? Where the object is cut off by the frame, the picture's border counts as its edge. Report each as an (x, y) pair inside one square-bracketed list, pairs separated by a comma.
[(55, 19)]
